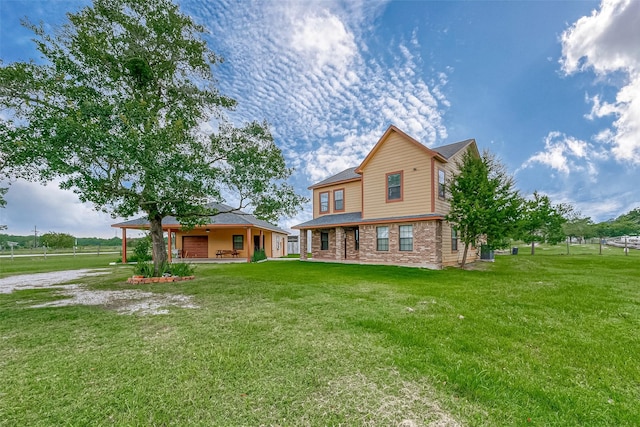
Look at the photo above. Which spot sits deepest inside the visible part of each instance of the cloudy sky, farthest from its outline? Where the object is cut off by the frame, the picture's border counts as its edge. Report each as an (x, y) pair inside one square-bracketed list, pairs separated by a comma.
[(551, 87)]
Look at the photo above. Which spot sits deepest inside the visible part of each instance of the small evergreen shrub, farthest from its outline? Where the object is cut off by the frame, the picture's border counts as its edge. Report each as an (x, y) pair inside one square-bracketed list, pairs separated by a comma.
[(258, 256)]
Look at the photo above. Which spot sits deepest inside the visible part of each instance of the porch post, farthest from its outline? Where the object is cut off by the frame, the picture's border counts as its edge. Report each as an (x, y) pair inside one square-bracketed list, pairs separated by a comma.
[(169, 249), (124, 245), (303, 244), (249, 245), (339, 243)]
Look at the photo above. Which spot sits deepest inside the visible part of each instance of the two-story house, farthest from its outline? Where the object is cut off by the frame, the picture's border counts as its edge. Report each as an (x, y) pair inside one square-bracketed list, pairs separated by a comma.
[(390, 209)]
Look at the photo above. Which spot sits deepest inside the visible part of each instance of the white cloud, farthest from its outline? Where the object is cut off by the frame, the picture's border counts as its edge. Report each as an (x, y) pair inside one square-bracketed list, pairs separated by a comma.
[(566, 154), (323, 38), (607, 43), (47, 207), (307, 69)]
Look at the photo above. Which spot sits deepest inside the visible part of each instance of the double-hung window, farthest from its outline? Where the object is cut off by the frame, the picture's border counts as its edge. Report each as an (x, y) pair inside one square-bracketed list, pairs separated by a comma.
[(324, 202), (238, 242), (406, 237), (394, 187), (338, 200), (454, 239), (441, 183), (324, 241), (382, 238)]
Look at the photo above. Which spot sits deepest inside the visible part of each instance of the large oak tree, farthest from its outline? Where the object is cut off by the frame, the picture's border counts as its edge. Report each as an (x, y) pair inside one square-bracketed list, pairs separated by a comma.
[(116, 108)]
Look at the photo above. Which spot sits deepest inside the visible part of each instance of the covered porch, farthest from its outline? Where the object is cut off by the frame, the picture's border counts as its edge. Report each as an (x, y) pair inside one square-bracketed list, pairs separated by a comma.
[(230, 235), (213, 243)]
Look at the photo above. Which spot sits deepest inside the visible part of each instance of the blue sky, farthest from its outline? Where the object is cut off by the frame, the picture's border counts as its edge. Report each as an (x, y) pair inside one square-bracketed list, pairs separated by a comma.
[(551, 87)]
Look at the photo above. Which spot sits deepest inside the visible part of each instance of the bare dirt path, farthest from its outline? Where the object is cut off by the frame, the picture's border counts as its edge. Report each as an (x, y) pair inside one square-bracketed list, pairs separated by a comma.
[(126, 301)]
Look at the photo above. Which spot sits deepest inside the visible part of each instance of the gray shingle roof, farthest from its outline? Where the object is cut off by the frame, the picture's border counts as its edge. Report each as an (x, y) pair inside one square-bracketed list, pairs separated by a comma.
[(227, 216), (449, 150), (445, 151), (345, 175), (355, 218)]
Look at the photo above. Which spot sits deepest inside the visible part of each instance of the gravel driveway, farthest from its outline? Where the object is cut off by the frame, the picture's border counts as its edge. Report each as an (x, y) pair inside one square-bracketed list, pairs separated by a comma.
[(126, 301)]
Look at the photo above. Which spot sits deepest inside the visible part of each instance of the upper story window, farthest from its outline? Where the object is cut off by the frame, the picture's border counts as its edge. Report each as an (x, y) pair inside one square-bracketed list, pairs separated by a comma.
[(441, 183), (324, 202), (394, 187), (338, 200)]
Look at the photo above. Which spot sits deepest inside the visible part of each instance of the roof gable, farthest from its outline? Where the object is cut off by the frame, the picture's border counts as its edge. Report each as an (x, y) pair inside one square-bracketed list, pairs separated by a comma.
[(344, 176), (450, 150), (385, 137)]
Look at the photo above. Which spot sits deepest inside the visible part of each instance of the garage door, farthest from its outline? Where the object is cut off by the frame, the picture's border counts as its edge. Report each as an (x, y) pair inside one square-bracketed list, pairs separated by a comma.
[(195, 247)]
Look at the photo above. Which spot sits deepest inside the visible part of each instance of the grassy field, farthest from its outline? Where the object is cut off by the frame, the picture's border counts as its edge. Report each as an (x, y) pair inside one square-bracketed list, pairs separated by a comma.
[(544, 340)]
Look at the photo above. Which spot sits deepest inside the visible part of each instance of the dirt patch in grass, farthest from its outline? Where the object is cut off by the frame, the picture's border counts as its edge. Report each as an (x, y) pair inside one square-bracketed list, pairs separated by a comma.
[(399, 403), (128, 301)]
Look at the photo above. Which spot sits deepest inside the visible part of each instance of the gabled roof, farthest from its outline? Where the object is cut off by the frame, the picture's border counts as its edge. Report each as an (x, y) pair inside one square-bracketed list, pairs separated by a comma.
[(227, 216), (442, 153), (344, 176), (384, 138), (447, 151)]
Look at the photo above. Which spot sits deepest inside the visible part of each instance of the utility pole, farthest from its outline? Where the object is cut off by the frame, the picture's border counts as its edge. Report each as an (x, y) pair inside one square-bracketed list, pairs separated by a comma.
[(35, 236)]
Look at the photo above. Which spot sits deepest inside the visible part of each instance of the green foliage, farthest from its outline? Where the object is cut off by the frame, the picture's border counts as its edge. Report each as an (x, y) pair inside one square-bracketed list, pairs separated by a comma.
[(57, 240), (182, 269), (142, 250), (258, 255), (144, 268), (115, 113), (542, 221), (483, 201)]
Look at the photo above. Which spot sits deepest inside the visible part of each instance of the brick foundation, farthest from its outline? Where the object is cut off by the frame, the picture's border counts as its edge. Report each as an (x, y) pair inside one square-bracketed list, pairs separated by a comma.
[(427, 245)]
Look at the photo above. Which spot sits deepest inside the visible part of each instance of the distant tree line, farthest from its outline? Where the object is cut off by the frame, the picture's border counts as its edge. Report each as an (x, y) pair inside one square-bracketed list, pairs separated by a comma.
[(55, 240)]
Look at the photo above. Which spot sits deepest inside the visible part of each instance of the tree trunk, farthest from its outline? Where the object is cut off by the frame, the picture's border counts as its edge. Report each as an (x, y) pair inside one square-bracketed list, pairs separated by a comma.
[(464, 256), (533, 247), (157, 244)]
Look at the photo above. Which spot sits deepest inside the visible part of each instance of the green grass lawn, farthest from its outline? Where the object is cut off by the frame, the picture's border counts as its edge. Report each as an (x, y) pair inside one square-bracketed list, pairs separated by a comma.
[(544, 340)]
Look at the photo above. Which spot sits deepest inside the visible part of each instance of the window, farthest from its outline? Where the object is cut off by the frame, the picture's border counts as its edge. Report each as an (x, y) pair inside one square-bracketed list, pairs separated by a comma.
[(454, 239), (324, 202), (238, 241), (338, 200), (394, 187), (406, 237), (356, 234), (324, 241), (383, 238), (441, 183)]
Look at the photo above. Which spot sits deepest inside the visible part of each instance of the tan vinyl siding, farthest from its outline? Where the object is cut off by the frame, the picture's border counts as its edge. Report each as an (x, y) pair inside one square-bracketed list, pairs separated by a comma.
[(450, 168), (397, 155), (352, 197)]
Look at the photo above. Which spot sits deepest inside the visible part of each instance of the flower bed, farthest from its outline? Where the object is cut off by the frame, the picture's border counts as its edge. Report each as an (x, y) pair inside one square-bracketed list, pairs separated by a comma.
[(137, 280)]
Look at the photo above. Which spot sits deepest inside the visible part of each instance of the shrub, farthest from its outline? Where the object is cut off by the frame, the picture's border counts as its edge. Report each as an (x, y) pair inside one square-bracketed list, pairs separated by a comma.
[(258, 256), (143, 268), (142, 250), (182, 269)]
